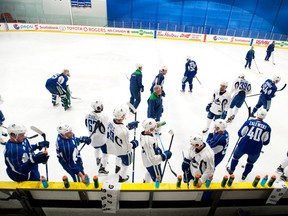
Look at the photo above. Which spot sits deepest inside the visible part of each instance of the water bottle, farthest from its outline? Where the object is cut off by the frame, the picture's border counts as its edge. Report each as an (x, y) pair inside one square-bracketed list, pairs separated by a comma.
[(157, 182), (44, 182), (264, 180)]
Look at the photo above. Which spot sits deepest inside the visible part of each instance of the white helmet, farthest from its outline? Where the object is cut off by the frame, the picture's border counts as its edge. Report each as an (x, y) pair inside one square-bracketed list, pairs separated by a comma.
[(196, 139), (97, 105), (276, 78), (1, 100), (261, 113), (164, 68), (138, 65), (188, 57), (120, 112), (149, 124), (241, 76), (224, 83), (16, 129), (64, 128), (221, 124)]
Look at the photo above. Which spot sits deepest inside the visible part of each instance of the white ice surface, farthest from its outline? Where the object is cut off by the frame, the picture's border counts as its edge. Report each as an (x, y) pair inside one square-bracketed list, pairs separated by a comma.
[(99, 66)]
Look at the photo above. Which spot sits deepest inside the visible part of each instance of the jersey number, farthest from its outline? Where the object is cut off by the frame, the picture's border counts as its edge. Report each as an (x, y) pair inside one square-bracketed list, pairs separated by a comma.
[(255, 135)]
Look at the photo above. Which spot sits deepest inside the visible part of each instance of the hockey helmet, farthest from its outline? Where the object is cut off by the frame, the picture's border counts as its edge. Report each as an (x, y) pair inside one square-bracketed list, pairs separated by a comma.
[(188, 58), (196, 139), (64, 129), (276, 79), (16, 129), (224, 83), (97, 105), (120, 112), (242, 76), (261, 113), (221, 124), (164, 68), (149, 124)]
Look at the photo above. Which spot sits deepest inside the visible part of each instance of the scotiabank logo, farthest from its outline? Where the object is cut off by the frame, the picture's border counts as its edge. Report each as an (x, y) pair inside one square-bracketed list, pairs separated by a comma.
[(262, 42)]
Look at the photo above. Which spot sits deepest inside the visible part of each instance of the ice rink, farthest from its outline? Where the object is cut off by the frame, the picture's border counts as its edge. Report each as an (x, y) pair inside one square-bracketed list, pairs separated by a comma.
[(99, 66)]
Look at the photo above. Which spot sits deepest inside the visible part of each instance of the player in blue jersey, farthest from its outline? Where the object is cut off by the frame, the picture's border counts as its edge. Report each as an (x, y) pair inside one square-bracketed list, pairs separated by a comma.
[(241, 87), (2, 119), (189, 74), (268, 89), (249, 57), (159, 80), (136, 87), (269, 51), (58, 86), (68, 154), (253, 134), (219, 140), (155, 105), (21, 158)]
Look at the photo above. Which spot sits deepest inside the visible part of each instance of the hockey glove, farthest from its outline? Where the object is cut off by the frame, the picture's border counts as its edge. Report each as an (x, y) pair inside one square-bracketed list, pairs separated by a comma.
[(133, 125), (39, 158), (158, 151), (224, 115), (186, 165), (163, 94), (208, 107), (134, 143), (85, 139), (43, 144), (142, 88), (166, 155)]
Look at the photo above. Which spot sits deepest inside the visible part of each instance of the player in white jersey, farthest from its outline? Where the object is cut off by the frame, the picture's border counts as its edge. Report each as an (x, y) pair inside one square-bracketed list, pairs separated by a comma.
[(96, 122), (152, 155), (199, 159), (218, 106), (240, 88), (118, 135), (283, 169)]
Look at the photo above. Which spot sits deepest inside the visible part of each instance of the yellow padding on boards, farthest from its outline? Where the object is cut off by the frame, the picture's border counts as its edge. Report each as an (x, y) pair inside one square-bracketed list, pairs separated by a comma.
[(33, 185)]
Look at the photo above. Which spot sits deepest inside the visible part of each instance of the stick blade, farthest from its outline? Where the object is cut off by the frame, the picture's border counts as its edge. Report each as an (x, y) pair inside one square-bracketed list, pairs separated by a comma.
[(171, 132), (131, 107)]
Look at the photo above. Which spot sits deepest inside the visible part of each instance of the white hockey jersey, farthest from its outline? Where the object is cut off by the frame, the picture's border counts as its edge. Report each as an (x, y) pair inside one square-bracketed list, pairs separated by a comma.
[(118, 137), (241, 85), (149, 143), (99, 138), (202, 163), (220, 102)]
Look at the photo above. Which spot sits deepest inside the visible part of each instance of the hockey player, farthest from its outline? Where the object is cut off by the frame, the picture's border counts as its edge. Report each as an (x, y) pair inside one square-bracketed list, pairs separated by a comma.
[(269, 51), (2, 119), (159, 80), (241, 87), (249, 57), (96, 122), (253, 134), (283, 169), (155, 104), (189, 74), (218, 106), (136, 87), (268, 89), (58, 86), (219, 140), (20, 157), (152, 155), (68, 155), (118, 136), (198, 160)]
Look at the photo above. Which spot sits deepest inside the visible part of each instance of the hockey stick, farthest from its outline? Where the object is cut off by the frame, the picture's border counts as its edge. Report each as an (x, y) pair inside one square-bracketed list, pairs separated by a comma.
[(97, 124), (135, 113), (77, 98), (257, 67), (168, 161), (31, 137), (260, 93), (172, 136), (198, 80), (249, 113), (37, 130), (273, 58)]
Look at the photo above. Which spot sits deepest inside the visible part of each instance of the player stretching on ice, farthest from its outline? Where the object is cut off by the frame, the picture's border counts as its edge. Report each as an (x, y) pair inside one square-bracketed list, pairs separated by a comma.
[(57, 85), (152, 155)]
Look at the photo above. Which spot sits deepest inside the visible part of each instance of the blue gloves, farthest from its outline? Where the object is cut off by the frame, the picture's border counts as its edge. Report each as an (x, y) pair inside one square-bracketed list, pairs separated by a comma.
[(39, 158), (186, 165), (224, 115), (43, 144), (166, 155), (158, 151), (142, 88), (134, 143), (133, 125), (85, 139), (208, 107)]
